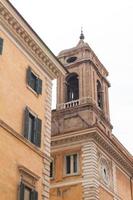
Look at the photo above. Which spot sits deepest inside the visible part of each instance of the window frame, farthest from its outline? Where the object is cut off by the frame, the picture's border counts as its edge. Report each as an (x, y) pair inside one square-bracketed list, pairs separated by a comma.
[(28, 180), (28, 112), (37, 91), (72, 173)]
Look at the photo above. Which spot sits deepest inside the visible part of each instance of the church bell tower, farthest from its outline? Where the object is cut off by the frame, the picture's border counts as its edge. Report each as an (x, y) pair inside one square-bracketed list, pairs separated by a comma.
[(82, 95), (88, 162)]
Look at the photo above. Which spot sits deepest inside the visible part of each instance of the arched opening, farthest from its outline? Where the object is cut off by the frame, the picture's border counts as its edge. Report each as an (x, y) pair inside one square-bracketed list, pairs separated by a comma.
[(99, 95), (72, 87)]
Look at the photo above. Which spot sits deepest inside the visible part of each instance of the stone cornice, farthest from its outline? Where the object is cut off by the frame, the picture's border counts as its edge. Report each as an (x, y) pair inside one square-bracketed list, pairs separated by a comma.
[(101, 139), (18, 28)]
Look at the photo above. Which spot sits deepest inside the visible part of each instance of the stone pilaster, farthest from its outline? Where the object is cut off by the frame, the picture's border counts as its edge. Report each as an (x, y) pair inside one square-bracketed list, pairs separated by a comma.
[(90, 171), (46, 142)]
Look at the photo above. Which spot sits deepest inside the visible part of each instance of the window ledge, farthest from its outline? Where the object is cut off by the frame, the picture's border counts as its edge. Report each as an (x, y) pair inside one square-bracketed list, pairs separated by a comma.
[(71, 175), (33, 91)]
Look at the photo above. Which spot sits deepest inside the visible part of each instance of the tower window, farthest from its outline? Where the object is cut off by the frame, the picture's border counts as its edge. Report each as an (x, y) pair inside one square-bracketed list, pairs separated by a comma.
[(71, 164), (99, 95), (72, 84), (71, 59)]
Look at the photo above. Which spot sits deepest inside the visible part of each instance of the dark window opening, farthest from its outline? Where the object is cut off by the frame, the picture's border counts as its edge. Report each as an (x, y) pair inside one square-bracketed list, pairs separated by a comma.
[(32, 128), (68, 164), (75, 169), (1, 46), (34, 82), (71, 59), (71, 164), (99, 95), (52, 169), (26, 193), (72, 87)]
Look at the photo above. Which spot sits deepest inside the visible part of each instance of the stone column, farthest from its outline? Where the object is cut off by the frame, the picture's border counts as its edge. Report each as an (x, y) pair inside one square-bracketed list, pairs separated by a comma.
[(90, 171)]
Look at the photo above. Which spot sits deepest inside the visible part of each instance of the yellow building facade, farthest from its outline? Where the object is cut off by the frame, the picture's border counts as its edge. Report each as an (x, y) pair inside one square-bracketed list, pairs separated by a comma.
[(88, 161), (27, 68)]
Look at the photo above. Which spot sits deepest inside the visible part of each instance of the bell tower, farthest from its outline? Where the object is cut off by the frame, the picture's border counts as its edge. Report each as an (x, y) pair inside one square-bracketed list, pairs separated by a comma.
[(88, 161), (82, 95)]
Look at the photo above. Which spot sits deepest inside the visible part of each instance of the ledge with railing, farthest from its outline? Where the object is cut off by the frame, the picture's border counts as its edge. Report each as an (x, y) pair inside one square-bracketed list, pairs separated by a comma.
[(75, 103)]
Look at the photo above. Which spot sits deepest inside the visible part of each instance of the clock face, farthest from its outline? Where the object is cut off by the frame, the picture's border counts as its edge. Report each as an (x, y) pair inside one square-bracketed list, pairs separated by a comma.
[(105, 172), (71, 59)]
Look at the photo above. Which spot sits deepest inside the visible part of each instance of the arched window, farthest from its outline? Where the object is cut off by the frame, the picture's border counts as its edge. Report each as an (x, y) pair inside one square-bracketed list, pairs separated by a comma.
[(72, 87), (99, 95)]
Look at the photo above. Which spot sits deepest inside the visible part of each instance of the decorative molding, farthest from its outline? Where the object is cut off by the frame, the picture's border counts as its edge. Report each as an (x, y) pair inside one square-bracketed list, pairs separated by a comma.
[(66, 183), (27, 176), (24, 34)]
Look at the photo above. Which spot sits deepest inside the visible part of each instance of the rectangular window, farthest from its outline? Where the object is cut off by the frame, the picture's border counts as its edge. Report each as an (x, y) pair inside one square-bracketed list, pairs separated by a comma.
[(1, 46), (32, 128), (52, 169), (34, 81), (27, 193), (71, 164)]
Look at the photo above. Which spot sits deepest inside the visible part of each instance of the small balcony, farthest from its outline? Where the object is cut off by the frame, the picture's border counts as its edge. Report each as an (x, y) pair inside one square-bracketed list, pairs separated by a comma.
[(75, 103)]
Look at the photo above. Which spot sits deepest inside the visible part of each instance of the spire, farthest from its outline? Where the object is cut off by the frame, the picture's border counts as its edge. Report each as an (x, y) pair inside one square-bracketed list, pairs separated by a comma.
[(82, 35)]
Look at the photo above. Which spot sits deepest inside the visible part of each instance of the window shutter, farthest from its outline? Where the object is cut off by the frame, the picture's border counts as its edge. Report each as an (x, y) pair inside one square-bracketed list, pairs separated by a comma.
[(29, 76), (34, 195), (26, 123), (38, 132), (21, 191), (1, 46), (39, 86)]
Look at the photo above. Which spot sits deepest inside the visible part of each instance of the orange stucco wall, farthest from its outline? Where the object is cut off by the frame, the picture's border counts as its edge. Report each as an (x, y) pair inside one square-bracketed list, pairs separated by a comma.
[(14, 97), (14, 153), (104, 195), (15, 94), (73, 192), (123, 185)]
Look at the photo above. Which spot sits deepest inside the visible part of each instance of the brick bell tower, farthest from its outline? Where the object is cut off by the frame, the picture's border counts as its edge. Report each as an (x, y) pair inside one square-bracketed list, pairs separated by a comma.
[(82, 95), (88, 162)]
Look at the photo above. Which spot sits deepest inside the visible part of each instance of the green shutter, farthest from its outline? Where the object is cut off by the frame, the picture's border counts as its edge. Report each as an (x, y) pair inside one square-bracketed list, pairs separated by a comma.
[(26, 123), (21, 191), (28, 76), (39, 86), (34, 195), (1, 46), (38, 132)]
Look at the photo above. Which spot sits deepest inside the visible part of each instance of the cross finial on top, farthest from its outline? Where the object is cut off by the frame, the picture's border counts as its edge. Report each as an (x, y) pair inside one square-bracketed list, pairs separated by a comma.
[(82, 35)]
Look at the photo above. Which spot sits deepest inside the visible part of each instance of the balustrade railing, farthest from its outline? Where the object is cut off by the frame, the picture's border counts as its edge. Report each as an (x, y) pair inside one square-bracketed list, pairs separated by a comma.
[(75, 103)]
